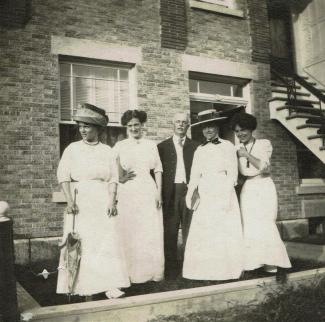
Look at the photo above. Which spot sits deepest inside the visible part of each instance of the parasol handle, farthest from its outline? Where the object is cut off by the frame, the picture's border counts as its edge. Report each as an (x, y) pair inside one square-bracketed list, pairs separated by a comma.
[(74, 204)]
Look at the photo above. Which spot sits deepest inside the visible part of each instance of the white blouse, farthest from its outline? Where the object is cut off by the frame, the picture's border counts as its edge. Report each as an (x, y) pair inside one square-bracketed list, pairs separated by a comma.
[(81, 161), (210, 161), (139, 156), (262, 150)]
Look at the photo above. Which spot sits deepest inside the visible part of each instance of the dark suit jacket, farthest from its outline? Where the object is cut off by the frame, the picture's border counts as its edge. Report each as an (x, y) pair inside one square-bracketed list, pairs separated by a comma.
[(168, 159)]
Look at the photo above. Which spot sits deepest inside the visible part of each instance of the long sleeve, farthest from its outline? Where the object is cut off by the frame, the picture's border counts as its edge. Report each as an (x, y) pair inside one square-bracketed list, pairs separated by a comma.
[(232, 164), (194, 177), (64, 168), (157, 162), (114, 178), (266, 155)]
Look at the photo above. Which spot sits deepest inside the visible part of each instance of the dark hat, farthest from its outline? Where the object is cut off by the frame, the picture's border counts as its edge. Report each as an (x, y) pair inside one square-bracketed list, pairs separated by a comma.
[(91, 114), (208, 116)]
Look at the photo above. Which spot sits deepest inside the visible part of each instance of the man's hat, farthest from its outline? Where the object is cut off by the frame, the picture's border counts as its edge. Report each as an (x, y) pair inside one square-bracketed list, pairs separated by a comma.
[(208, 116), (91, 114)]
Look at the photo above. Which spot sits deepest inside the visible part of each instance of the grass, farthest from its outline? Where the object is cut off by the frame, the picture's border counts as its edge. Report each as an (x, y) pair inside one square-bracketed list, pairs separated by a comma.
[(287, 304), (44, 290)]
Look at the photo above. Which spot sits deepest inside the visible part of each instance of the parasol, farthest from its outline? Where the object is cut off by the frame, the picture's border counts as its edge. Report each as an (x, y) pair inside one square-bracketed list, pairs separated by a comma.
[(72, 253)]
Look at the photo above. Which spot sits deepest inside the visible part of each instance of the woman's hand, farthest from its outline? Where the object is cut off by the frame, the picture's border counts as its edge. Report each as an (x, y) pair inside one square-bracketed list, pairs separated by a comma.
[(158, 200), (111, 209), (72, 208), (129, 175), (242, 152)]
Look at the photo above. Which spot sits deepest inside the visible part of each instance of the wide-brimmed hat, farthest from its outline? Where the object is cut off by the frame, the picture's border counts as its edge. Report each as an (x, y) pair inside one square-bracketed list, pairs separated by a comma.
[(209, 116), (91, 114)]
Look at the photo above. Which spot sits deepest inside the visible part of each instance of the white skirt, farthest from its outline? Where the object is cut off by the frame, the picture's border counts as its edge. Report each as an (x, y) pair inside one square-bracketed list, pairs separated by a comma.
[(259, 206), (141, 225), (214, 246), (102, 264)]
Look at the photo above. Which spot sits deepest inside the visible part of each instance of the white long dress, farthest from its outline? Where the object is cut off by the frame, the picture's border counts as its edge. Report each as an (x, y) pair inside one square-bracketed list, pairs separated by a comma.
[(102, 264), (259, 207), (141, 221), (214, 245)]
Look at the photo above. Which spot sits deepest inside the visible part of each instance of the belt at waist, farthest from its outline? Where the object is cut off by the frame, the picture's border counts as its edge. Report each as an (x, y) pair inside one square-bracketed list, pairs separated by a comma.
[(84, 180), (258, 176)]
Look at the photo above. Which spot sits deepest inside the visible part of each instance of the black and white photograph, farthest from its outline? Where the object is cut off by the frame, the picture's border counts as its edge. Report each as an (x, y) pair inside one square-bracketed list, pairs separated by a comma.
[(162, 161)]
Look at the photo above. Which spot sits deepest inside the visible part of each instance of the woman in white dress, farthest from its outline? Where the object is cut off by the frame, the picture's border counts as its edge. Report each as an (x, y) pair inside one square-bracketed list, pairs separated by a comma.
[(88, 170), (258, 199), (214, 245), (139, 201)]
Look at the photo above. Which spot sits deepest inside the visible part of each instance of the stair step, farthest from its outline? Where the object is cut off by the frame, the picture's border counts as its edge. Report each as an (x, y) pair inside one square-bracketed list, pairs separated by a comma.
[(301, 102), (317, 118), (305, 126), (302, 109), (274, 83), (316, 136), (284, 91), (322, 148)]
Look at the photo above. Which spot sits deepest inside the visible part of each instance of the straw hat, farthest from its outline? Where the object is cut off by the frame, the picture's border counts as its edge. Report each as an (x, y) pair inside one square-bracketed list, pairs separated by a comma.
[(91, 114), (208, 116)]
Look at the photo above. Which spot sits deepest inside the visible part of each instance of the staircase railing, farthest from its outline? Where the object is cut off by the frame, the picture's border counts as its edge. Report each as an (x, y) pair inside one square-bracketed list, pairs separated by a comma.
[(290, 80)]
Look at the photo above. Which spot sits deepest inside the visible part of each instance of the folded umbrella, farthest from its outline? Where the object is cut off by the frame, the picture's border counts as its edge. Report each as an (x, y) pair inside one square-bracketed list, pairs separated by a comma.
[(72, 254)]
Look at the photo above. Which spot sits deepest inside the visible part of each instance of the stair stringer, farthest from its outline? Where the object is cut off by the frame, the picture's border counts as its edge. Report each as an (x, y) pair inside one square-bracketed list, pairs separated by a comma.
[(301, 134)]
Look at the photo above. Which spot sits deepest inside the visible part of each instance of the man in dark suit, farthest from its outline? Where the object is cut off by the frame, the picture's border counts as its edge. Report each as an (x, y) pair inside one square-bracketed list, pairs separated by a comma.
[(176, 154)]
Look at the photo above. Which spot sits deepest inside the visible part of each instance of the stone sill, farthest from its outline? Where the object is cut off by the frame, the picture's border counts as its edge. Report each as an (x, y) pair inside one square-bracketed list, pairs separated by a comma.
[(310, 189), (216, 8)]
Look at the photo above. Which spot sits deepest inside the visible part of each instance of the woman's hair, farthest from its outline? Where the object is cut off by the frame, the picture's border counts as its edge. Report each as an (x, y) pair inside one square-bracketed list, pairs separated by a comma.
[(244, 120), (133, 114)]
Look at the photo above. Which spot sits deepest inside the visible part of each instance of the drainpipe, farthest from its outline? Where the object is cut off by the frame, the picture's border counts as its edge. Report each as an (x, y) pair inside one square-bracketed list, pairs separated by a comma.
[(8, 291)]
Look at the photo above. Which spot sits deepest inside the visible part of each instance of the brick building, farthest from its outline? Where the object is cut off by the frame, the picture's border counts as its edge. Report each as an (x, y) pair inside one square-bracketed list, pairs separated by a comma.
[(160, 56)]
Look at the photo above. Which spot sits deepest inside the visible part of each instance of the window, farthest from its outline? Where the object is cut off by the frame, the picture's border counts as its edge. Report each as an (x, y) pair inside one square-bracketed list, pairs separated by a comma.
[(227, 95), (106, 86)]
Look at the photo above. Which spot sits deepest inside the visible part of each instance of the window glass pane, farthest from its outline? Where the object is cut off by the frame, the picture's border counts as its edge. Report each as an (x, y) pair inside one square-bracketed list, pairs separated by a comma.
[(237, 91), (124, 74), (65, 69), (207, 87), (101, 94), (83, 91), (193, 86), (105, 73), (82, 71), (65, 98)]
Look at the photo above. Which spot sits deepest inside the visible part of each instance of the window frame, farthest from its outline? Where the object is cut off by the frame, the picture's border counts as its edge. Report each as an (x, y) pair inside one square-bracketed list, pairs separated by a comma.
[(224, 3)]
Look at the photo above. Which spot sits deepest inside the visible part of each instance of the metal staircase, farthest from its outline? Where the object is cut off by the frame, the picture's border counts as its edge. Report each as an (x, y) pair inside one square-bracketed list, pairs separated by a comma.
[(299, 105)]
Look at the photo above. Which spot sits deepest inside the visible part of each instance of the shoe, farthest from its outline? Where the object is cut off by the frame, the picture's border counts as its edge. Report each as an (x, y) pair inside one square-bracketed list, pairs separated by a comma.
[(270, 269), (114, 293)]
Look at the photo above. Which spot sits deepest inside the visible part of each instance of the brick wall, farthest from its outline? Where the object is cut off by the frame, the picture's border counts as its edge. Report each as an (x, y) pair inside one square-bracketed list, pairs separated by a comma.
[(29, 93), (259, 30)]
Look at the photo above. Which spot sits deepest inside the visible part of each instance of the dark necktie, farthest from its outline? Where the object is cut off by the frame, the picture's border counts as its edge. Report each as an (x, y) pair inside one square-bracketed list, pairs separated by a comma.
[(213, 141)]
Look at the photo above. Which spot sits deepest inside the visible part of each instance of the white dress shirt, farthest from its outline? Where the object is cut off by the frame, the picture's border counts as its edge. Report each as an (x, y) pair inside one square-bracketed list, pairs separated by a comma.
[(180, 175)]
